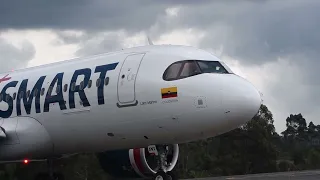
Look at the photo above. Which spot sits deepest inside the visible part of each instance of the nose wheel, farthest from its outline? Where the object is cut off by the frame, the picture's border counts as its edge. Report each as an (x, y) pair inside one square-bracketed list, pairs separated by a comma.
[(162, 152), (161, 175)]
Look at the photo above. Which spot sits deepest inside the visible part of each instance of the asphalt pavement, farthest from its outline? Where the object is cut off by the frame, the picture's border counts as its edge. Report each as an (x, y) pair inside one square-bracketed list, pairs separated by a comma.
[(296, 175)]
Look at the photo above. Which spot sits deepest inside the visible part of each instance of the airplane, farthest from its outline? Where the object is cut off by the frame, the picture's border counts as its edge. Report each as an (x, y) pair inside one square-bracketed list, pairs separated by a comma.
[(131, 107)]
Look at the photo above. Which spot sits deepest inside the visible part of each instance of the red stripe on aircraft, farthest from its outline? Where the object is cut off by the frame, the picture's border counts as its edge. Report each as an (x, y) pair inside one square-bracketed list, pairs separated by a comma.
[(5, 78), (137, 159)]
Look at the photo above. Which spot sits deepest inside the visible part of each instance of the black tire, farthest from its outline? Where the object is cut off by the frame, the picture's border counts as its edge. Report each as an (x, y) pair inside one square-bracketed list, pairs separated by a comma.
[(172, 175), (161, 175)]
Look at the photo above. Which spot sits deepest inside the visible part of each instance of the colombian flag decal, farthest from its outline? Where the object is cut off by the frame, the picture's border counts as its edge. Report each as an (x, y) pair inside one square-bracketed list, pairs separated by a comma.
[(169, 92)]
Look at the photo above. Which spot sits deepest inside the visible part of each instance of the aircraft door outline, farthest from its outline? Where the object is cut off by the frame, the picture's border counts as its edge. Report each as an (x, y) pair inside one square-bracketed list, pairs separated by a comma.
[(127, 80), (10, 125)]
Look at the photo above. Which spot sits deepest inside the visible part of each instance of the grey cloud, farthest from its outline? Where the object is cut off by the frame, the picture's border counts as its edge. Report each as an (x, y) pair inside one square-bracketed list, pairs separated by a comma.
[(68, 38), (84, 15), (100, 44), (13, 57), (254, 32)]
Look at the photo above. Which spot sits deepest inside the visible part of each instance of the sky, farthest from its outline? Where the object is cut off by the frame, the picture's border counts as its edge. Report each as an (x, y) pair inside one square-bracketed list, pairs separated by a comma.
[(274, 44)]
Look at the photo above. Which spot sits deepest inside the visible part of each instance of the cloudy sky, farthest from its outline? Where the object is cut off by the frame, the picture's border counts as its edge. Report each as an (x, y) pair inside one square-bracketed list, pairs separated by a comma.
[(275, 44)]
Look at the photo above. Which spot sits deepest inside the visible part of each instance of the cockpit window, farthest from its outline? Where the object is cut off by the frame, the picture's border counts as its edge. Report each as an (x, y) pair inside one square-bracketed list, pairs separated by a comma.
[(227, 67), (181, 70), (187, 68), (173, 71), (212, 67), (190, 68)]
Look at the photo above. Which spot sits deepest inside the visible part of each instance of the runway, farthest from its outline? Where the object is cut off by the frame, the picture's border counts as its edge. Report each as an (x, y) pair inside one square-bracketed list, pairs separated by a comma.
[(296, 175)]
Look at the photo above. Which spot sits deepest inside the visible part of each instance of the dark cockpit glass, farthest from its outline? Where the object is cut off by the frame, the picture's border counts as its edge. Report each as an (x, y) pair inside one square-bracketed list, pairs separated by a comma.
[(190, 68), (187, 68), (212, 67), (172, 72)]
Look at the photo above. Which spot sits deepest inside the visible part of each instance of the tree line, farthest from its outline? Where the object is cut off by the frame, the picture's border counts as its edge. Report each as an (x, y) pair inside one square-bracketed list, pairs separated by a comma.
[(255, 147)]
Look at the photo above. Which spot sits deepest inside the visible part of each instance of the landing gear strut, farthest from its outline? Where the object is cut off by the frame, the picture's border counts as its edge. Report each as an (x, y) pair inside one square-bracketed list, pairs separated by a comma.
[(50, 175), (163, 174)]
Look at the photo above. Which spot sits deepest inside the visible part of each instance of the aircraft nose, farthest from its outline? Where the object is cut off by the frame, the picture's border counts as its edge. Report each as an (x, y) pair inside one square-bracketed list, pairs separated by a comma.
[(241, 100)]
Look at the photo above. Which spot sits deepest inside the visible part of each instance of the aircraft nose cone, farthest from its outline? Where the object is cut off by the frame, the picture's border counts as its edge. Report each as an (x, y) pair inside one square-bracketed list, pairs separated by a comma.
[(241, 100)]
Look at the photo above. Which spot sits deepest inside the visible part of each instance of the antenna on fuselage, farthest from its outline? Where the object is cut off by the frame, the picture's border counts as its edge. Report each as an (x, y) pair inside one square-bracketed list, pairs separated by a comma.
[(149, 40)]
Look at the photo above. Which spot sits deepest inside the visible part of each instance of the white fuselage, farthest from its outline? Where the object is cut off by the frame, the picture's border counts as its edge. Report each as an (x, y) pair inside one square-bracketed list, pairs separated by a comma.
[(126, 110)]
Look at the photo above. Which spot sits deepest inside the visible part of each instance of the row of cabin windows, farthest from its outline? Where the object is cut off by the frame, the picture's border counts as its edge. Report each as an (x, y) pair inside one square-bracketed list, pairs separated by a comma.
[(65, 88)]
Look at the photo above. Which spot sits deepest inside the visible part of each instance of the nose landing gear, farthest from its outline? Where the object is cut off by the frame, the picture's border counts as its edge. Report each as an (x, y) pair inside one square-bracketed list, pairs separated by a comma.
[(164, 173)]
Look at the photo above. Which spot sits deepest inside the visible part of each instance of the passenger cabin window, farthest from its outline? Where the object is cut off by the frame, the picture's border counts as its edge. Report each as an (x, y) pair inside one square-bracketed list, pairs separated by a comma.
[(65, 87), (81, 85), (42, 91), (89, 83), (187, 68), (73, 86), (98, 82), (35, 92), (28, 93), (49, 90), (106, 81)]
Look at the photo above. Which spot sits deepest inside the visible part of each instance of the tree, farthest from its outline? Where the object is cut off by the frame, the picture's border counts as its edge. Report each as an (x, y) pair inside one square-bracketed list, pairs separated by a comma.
[(260, 131), (296, 127), (312, 130), (249, 149)]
